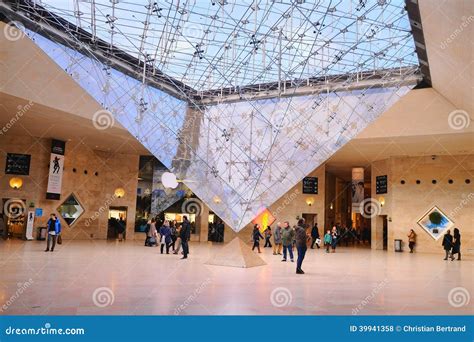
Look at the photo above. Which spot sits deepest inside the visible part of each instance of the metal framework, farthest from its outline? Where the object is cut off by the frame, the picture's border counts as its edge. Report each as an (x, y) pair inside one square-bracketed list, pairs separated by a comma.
[(242, 99)]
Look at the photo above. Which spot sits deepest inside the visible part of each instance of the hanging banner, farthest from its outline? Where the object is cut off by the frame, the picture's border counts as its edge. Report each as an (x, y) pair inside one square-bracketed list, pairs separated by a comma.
[(29, 225), (56, 166), (357, 188)]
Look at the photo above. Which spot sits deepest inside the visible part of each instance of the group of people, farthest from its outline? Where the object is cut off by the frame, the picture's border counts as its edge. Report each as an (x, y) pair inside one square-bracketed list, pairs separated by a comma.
[(285, 238), (172, 235), (452, 244)]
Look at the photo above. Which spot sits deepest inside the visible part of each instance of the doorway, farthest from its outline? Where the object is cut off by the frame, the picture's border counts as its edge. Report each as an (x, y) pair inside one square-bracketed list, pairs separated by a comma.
[(385, 232), (310, 219), (117, 223), (14, 216)]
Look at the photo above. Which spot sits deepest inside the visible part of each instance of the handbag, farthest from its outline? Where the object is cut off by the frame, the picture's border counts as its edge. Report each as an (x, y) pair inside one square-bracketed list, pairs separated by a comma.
[(318, 241), (60, 239)]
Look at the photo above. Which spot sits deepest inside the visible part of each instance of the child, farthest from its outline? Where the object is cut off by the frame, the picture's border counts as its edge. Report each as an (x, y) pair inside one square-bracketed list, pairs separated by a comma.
[(327, 240)]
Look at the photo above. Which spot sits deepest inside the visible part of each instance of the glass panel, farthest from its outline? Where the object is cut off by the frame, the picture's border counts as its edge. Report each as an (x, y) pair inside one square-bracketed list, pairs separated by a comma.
[(70, 210)]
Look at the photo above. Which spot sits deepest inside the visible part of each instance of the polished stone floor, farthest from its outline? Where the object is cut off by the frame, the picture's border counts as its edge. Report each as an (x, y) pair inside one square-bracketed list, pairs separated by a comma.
[(98, 277)]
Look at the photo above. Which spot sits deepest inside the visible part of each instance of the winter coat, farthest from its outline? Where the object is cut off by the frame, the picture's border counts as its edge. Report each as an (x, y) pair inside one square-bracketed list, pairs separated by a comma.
[(277, 235), (287, 236), (300, 235), (447, 242), (56, 228), (166, 232)]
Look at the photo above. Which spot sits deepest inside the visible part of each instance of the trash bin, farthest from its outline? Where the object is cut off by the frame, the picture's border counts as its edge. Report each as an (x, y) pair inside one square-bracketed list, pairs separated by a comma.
[(41, 234), (398, 245)]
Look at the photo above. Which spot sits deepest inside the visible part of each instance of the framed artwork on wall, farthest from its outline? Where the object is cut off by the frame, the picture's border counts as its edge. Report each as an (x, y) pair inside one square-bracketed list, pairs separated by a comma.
[(435, 222)]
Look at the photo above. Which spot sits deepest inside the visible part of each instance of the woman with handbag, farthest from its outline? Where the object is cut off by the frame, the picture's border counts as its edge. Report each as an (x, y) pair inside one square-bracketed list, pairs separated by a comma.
[(165, 233)]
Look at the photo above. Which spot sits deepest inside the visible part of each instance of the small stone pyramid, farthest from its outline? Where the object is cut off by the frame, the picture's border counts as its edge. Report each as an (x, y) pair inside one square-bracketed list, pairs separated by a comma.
[(236, 254)]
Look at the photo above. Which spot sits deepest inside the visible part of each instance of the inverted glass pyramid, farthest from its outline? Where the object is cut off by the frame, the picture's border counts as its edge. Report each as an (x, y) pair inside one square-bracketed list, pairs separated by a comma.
[(247, 153)]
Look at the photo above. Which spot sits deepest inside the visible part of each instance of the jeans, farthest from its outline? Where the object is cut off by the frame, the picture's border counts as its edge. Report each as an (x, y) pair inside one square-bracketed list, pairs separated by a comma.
[(290, 250), (184, 244), (267, 242), (167, 247), (51, 237), (301, 253)]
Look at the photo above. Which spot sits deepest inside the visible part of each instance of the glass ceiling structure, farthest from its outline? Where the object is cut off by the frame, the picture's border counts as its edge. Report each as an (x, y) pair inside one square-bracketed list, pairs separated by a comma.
[(214, 44), (319, 73)]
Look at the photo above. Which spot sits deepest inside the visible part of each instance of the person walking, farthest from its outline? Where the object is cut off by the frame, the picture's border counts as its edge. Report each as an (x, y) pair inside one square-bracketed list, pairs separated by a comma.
[(185, 235), (287, 235), (447, 243), (411, 240), (268, 236), (165, 232), (54, 229), (256, 236), (277, 240), (301, 238), (327, 240), (315, 236), (456, 244)]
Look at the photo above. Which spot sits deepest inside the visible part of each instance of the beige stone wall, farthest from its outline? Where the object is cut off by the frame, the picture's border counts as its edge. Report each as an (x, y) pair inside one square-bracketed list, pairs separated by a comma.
[(406, 203), (95, 193)]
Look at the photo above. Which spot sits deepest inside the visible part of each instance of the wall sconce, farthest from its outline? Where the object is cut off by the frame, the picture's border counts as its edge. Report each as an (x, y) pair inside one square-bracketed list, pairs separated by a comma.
[(309, 201), (382, 201), (119, 192), (16, 183), (331, 206), (216, 199)]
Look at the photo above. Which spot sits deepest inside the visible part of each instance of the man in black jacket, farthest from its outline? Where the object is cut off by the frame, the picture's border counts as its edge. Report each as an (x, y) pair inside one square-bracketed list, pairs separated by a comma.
[(314, 236), (301, 237), (185, 235)]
